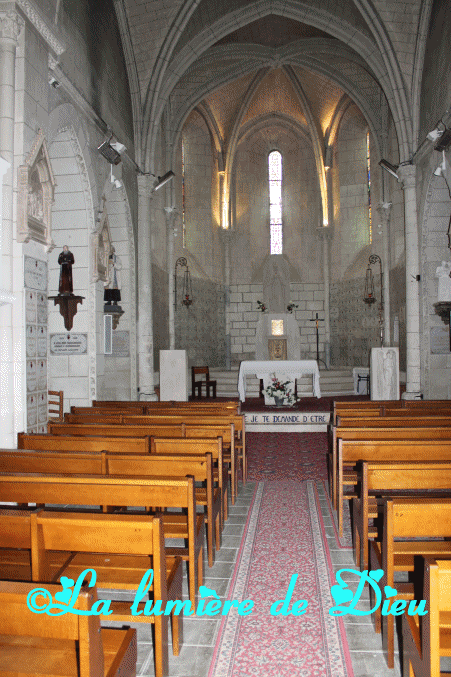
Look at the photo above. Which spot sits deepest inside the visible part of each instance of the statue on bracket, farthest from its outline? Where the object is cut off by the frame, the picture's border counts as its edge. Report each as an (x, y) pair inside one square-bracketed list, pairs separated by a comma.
[(66, 261)]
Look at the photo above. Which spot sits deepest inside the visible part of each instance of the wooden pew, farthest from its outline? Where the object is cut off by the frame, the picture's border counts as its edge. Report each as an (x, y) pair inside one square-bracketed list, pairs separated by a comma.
[(134, 544), (199, 467), (99, 430), (77, 443), (386, 478), (198, 446), (17, 460), (351, 452), (426, 642), (64, 645), (91, 490), (416, 521), (378, 429), (227, 433)]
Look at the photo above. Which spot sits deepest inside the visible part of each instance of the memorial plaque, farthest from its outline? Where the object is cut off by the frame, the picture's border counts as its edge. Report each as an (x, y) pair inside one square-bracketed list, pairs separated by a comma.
[(439, 341), (30, 306), (30, 341), (121, 344), (42, 341), (35, 274), (32, 382), (43, 311), (68, 344)]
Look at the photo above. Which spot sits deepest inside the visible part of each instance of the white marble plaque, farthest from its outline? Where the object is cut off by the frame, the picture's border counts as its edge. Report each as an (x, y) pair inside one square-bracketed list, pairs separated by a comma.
[(30, 341), (32, 382), (440, 340), (42, 374), (68, 344), (42, 341), (42, 308), (121, 344), (32, 410), (384, 373), (35, 274), (30, 306)]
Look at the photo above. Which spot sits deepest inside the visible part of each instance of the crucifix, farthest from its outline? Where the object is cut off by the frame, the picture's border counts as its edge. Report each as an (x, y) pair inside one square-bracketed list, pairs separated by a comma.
[(317, 320)]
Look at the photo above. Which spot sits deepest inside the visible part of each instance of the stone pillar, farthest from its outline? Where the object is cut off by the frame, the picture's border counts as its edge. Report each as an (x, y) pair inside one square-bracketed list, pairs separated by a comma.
[(170, 265), (407, 177), (226, 236), (145, 319), (326, 233), (384, 215), (11, 405)]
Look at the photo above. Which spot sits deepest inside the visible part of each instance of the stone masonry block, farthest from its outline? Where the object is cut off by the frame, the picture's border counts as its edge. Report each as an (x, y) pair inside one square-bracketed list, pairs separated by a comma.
[(250, 317), (315, 305), (236, 297), (244, 306), (247, 332), (239, 325), (306, 296), (318, 295)]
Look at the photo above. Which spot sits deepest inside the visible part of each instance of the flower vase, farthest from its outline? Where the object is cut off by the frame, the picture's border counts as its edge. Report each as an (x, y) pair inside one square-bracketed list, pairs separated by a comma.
[(278, 401)]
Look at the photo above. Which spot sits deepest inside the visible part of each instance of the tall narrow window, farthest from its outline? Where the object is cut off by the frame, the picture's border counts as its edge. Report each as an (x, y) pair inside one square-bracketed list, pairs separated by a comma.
[(183, 197), (275, 201), (368, 169)]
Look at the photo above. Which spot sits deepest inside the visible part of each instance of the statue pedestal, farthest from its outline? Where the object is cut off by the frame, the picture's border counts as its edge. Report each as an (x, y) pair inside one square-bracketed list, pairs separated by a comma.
[(68, 307), (173, 375)]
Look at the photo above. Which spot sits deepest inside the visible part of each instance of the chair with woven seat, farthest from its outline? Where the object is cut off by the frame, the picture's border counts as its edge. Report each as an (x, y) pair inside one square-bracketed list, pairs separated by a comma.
[(197, 385)]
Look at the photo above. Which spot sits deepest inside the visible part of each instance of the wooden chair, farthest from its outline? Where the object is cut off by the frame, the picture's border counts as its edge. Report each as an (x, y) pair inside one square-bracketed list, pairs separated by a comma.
[(70, 644), (133, 545), (58, 403), (426, 641), (197, 385)]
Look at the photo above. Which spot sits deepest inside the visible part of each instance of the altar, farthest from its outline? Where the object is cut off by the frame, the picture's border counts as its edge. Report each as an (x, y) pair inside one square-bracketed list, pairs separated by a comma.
[(284, 370)]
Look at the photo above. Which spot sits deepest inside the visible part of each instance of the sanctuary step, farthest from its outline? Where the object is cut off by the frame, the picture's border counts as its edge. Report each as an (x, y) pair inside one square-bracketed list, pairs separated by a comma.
[(332, 382)]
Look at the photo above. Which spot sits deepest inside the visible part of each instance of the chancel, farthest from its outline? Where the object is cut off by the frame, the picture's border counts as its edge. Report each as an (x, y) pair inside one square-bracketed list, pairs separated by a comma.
[(191, 191)]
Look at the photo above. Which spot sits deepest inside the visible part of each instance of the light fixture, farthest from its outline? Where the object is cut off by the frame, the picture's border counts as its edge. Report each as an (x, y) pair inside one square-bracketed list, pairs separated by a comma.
[(162, 180), (441, 169), (328, 158), (369, 296), (435, 134), (187, 290), (392, 169), (110, 153), (444, 141)]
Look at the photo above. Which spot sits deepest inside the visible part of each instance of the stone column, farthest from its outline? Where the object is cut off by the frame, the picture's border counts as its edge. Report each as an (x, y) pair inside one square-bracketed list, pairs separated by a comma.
[(145, 319), (11, 405), (384, 215), (170, 264), (326, 233), (226, 236), (407, 177)]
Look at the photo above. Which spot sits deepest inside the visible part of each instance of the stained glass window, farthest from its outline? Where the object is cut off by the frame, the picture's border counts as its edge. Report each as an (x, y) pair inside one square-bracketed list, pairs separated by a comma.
[(275, 201), (277, 327)]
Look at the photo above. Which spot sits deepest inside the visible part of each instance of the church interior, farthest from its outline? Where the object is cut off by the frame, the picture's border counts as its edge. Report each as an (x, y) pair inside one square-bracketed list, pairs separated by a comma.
[(223, 186)]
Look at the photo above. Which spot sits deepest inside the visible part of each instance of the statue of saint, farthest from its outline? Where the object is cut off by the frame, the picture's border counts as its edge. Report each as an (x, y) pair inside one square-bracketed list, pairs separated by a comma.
[(443, 273), (66, 260)]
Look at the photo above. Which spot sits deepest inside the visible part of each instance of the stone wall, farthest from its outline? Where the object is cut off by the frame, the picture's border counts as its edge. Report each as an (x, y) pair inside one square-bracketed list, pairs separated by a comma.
[(243, 314)]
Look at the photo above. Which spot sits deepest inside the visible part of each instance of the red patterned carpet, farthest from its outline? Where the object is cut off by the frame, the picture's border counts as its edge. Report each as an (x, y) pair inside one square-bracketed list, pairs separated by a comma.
[(287, 456), (284, 535)]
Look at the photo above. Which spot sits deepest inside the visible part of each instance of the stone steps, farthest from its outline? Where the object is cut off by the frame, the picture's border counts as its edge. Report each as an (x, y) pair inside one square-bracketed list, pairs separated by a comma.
[(332, 382)]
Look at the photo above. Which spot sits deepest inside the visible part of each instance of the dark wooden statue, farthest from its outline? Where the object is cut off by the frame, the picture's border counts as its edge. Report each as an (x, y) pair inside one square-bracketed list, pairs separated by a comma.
[(66, 260)]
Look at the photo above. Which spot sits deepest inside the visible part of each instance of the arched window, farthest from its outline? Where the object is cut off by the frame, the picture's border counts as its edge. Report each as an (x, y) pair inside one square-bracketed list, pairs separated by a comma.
[(275, 201)]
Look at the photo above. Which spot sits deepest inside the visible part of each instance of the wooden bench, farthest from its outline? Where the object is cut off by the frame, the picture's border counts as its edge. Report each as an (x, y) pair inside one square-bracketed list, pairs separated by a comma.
[(77, 443), (18, 460), (90, 490), (134, 544), (198, 446), (415, 521), (386, 478), (199, 467), (230, 458), (351, 452), (67, 646), (99, 430), (377, 429), (426, 642)]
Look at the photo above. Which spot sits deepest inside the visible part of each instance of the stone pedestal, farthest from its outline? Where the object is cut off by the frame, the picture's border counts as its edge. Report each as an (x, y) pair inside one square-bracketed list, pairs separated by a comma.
[(384, 374), (173, 375)]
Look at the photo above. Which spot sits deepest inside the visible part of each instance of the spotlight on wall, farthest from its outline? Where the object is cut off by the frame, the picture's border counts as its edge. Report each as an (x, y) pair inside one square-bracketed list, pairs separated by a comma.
[(110, 153), (444, 141), (328, 158), (162, 180), (53, 82), (392, 169), (435, 134), (441, 169)]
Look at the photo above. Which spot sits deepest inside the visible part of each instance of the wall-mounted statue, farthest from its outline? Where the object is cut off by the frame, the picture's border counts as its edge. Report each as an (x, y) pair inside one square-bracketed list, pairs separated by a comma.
[(66, 261), (443, 273)]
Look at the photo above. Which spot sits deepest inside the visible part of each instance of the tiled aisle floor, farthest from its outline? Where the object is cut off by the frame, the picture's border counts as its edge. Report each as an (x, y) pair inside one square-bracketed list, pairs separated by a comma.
[(200, 632)]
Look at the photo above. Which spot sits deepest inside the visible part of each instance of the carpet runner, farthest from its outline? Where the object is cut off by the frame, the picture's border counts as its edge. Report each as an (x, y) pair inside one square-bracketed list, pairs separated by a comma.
[(284, 535)]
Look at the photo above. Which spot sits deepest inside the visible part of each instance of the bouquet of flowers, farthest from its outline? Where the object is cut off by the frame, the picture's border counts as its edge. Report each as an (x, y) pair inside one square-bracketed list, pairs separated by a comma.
[(280, 390)]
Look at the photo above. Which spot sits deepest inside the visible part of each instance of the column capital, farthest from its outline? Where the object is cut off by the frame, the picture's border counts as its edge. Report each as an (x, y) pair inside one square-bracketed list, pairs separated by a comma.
[(11, 24), (146, 184), (407, 176), (325, 232)]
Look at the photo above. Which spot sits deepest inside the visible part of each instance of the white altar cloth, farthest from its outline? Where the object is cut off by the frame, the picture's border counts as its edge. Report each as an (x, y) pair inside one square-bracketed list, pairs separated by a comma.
[(285, 370)]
